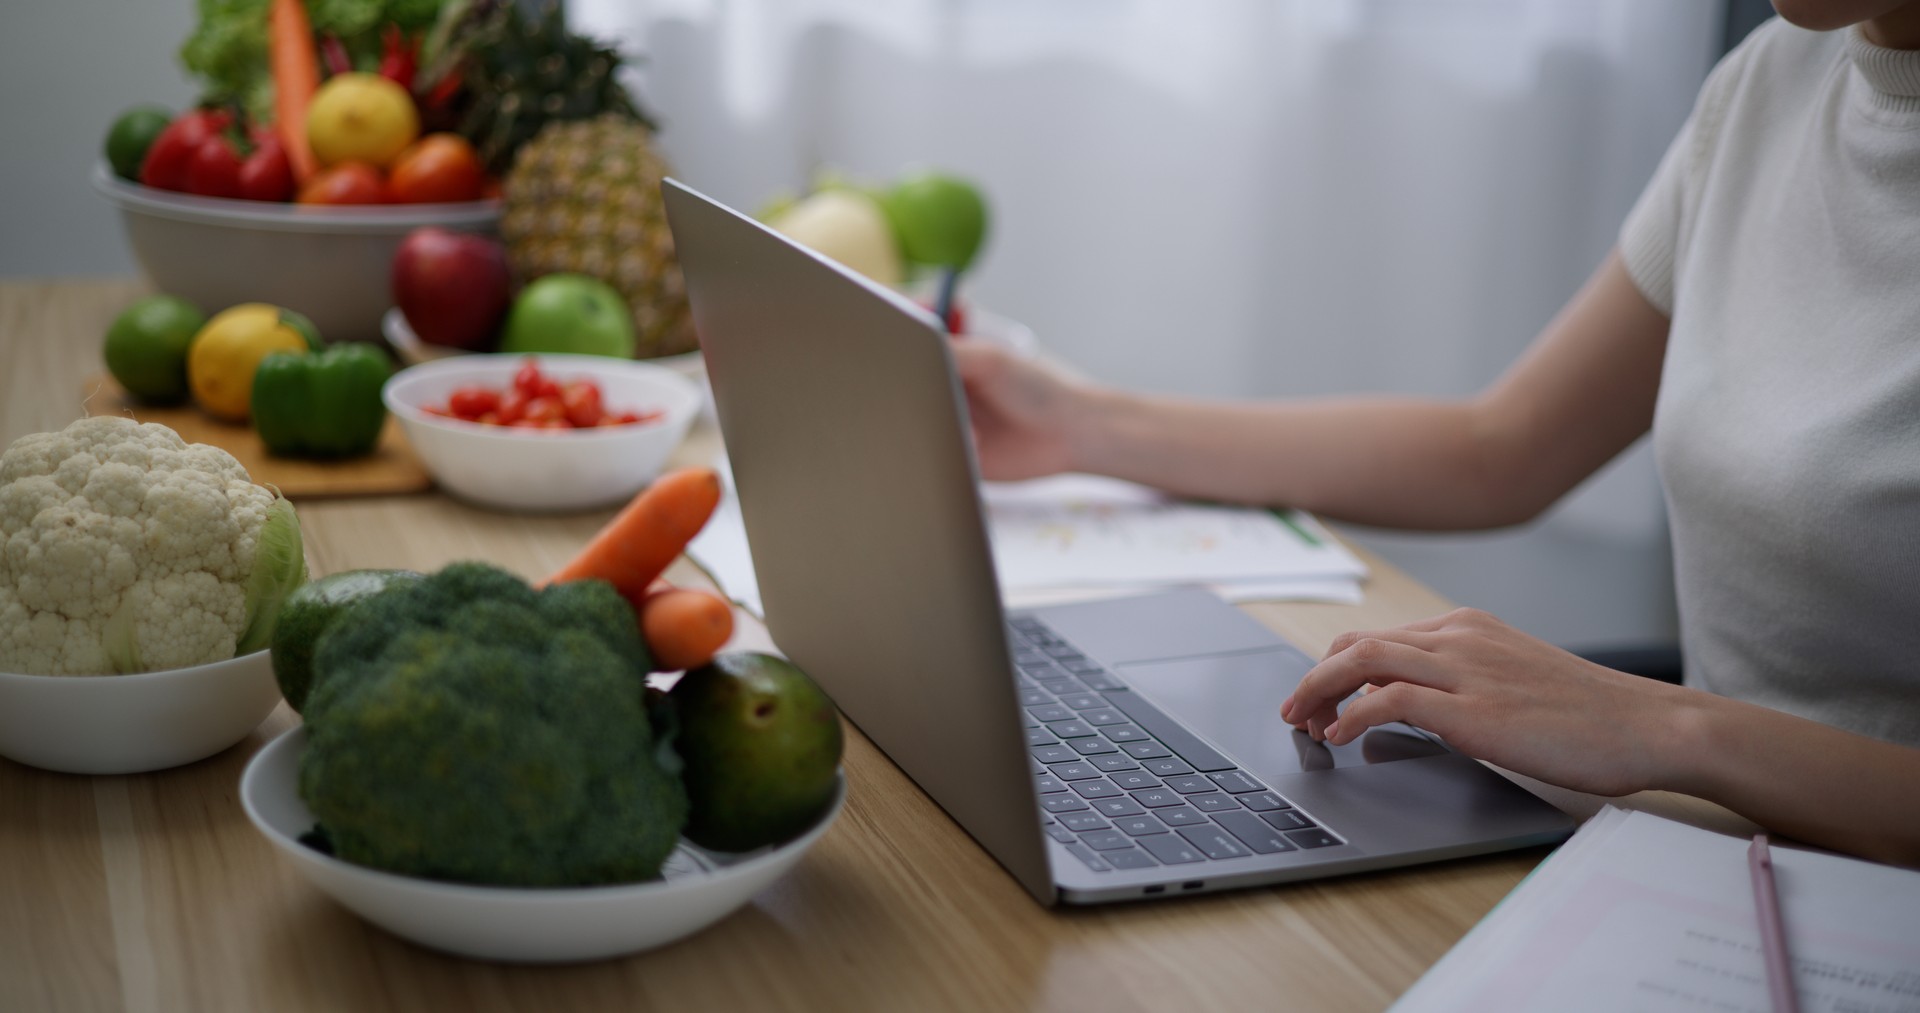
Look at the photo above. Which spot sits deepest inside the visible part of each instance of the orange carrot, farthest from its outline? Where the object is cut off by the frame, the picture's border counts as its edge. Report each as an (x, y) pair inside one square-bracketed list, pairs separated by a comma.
[(684, 627), (296, 76), (636, 546)]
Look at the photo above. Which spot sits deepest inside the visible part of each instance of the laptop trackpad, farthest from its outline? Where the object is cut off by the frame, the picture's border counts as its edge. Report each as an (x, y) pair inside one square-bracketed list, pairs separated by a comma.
[(1234, 701)]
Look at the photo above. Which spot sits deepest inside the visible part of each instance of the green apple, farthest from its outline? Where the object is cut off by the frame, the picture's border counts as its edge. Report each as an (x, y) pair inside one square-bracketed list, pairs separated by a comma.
[(941, 220), (570, 314)]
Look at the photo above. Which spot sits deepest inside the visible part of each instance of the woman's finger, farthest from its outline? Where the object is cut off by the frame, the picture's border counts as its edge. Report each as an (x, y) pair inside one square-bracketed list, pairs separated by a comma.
[(1368, 660), (1416, 705), (1420, 634)]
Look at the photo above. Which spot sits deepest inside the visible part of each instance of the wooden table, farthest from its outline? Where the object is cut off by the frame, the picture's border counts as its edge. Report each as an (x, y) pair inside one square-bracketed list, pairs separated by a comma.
[(153, 892)]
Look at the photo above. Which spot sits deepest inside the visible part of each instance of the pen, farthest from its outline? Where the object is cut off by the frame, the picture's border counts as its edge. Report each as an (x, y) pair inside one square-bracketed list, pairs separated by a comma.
[(1773, 936)]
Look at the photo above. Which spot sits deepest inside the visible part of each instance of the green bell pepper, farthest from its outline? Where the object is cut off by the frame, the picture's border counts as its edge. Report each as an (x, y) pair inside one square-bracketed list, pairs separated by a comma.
[(324, 404)]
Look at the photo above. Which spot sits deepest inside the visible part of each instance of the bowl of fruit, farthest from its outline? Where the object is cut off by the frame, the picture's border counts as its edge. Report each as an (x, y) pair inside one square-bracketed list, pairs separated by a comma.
[(221, 210), (481, 771), (327, 133), (546, 433)]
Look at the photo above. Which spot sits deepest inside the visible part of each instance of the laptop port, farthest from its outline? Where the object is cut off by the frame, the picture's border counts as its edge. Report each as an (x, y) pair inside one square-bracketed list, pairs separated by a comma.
[(1195, 885), (1155, 889)]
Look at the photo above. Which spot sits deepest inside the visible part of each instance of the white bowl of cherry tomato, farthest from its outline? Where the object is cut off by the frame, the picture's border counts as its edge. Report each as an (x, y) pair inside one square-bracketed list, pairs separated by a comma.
[(542, 433), (331, 262)]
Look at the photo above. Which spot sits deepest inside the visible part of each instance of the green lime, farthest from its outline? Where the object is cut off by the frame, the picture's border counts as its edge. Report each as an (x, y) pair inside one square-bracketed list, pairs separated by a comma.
[(146, 347), (308, 612), (131, 135), (941, 221)]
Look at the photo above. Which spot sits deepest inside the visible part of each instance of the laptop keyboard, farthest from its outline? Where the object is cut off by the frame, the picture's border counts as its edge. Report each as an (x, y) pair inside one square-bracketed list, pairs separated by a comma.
[(1124, 786)]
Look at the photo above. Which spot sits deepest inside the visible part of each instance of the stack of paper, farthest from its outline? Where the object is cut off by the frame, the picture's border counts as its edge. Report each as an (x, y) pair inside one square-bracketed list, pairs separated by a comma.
[(1642, 913), (1077, 537)]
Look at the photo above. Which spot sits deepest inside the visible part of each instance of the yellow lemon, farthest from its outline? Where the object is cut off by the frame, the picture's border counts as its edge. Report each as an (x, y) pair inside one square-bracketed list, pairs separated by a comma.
[(227, 352), (361, 118)]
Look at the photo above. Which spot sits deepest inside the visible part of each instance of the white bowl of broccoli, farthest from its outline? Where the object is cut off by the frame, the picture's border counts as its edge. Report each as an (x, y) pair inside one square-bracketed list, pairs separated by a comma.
[(517, 924)]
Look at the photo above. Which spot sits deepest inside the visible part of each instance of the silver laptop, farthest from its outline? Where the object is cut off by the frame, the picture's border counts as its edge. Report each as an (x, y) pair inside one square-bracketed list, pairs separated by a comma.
[(1106, 751)]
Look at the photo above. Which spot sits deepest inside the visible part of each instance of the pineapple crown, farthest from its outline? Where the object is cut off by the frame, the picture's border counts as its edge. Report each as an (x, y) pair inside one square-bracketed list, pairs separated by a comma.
[(497, 76)]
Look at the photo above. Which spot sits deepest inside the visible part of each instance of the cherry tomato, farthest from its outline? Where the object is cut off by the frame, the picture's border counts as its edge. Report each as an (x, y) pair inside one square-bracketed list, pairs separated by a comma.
[(513, 407), (527, 379), (583, 403), (546, 409), (165, 166), (267, 174), (346, 183), (437, 168), (473, 402), (214, 169)]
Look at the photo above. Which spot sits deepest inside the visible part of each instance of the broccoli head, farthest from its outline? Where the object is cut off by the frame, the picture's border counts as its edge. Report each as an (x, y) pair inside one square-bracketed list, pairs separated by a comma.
[(467, 727)]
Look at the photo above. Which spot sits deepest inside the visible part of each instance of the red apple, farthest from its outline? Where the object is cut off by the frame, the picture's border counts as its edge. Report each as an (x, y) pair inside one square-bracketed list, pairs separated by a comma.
[(453, 286)]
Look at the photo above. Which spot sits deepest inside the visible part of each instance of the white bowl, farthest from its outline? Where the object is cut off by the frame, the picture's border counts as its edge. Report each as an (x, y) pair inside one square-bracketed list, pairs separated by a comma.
[(332, 263), (531, 925), (536, 469), (125, 724), (413, 351)]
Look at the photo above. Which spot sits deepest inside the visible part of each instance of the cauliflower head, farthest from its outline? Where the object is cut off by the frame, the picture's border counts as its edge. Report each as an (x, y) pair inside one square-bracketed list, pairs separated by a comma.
[(124, 548)]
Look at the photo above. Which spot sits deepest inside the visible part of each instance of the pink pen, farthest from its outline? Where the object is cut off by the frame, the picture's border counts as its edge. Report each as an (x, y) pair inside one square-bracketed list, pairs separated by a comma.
[(1773, 936)]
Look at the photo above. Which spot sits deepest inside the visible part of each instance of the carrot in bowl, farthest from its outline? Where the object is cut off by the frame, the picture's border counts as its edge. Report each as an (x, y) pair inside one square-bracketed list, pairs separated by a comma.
[(642, 539), (684, 627), (296, 76)]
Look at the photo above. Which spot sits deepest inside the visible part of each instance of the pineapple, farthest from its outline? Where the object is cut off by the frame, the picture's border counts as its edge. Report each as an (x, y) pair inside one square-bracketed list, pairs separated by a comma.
[(582, 182), (584, 197)]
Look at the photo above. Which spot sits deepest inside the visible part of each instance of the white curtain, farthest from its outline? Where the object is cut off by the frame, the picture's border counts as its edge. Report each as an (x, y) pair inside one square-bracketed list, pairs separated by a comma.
[(1241, 197)]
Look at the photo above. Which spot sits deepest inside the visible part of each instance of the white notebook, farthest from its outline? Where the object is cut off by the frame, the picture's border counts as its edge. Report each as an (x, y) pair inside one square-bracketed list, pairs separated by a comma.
[(1636, 912)]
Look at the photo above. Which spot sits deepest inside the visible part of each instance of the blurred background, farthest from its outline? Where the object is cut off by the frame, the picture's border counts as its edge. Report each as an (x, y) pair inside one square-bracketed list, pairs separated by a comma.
[(1233, 198)]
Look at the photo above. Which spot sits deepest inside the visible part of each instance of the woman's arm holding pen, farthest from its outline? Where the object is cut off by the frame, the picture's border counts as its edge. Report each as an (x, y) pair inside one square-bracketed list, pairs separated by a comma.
[(1580, 395)]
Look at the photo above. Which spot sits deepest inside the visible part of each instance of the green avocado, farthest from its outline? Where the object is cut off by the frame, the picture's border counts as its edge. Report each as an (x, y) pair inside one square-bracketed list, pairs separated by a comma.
[(307, 613), (761, 747)]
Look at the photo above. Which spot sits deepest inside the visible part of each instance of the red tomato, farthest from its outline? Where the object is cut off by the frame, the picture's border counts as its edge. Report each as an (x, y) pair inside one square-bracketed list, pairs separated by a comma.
[(583, 404), (267, 174), (214, 169), (165, 165), (437, 168), (473, 402), (346, 183)]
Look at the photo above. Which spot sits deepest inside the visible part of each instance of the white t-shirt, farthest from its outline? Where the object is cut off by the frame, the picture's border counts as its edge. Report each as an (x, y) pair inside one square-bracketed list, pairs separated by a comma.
[(1782, 236)]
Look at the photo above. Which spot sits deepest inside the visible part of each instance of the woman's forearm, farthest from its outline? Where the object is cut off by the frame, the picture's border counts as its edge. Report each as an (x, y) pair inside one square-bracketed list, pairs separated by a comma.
[(1803, 779), (1580, 395), (1395, 462)]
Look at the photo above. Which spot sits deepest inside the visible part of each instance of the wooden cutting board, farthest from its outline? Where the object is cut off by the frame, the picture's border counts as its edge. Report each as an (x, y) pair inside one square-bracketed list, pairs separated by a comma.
[(392, 468)]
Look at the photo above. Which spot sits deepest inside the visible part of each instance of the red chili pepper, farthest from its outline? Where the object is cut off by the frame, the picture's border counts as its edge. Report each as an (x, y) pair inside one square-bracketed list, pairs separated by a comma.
[(399, 57), (334, 54)]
